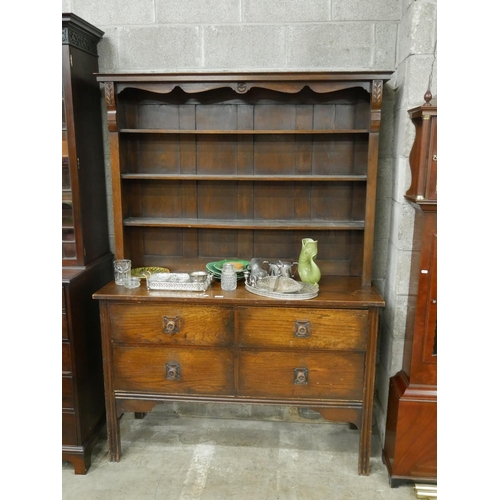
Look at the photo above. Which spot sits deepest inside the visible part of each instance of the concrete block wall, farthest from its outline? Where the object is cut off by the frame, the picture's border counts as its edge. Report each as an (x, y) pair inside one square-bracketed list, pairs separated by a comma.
[(297, 35), (184, 35), (416, 64), (246, 35)]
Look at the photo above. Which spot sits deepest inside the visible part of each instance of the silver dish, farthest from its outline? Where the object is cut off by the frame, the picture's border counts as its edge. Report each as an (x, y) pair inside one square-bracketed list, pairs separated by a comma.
[(279, 284), (197, 276), (177, 281), (307, 291)]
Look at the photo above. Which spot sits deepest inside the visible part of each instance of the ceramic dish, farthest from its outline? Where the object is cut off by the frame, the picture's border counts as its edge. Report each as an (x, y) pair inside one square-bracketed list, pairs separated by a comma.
[(144, 272), (216, 273), (212, 270), (239, 265)]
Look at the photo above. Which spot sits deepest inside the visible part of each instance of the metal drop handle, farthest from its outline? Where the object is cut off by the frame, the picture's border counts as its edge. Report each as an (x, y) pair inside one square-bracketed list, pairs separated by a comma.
[(301, 376), (171, 324), (173, 371)]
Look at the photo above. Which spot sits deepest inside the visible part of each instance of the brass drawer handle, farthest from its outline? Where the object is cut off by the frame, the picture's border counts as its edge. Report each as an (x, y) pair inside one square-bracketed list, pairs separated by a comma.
[(173, 371), (171, 325), (302, 329), (301, 376)]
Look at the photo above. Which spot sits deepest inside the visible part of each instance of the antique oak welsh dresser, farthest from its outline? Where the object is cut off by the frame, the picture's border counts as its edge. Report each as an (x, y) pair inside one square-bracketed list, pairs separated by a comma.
[(86, 259), (208, 166)]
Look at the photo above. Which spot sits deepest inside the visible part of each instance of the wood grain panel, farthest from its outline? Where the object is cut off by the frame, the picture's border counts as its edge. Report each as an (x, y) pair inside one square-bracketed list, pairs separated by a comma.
[(64, 326), (198, 325), (69, 430), (330, 375), (68, 401), (329, 329), (66, 357), (202, 371)]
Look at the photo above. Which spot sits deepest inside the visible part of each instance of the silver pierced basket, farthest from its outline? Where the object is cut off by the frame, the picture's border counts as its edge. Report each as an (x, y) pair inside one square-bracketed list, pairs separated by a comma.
[(177, 281)]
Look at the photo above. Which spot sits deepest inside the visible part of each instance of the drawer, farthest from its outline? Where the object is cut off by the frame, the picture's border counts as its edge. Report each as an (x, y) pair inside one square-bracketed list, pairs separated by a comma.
[(64, 317), (66, 357), (65, 327), (69, 430), (68, 402), (173, 370), (333, 329), (172, 324), (317, 375)]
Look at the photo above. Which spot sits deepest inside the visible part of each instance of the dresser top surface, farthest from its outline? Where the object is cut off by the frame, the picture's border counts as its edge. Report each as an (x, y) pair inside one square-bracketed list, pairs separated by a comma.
[(334, 292)]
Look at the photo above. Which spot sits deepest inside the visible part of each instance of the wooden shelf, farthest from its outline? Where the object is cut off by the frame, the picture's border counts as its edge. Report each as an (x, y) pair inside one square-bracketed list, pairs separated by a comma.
[(242, 132), (254, 162), (273, 225), (248, 177)]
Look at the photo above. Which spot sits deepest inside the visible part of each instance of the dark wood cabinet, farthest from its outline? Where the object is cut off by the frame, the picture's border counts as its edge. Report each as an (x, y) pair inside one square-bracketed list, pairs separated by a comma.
[(208, 166), (410, 449), (86, 259)]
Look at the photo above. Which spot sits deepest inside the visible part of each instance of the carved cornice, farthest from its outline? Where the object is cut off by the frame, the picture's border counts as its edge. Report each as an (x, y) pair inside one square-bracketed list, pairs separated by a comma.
[(109, 96), (79, 40), (109, 92), (377, 93)]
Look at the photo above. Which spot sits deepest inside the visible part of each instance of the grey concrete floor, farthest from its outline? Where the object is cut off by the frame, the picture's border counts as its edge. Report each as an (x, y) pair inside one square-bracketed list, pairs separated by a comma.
[(171, 456)]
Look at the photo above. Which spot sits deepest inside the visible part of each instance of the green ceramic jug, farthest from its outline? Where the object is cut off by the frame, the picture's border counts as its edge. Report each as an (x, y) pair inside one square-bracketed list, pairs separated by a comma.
[(308, 270)]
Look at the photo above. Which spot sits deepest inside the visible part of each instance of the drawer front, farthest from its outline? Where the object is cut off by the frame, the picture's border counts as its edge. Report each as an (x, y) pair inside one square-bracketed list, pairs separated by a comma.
[(301, 375), (65, 327), (172, 324), (66, 357), (64, 317), (68, 402), (69, 431), (173, 370), (331, 329)]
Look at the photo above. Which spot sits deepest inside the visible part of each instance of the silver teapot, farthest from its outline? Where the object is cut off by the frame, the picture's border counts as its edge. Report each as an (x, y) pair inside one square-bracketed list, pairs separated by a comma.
[(279, 268)]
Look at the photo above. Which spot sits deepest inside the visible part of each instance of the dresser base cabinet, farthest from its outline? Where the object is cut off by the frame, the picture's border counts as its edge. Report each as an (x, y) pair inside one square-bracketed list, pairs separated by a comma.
[(83, 410), (237, 347)]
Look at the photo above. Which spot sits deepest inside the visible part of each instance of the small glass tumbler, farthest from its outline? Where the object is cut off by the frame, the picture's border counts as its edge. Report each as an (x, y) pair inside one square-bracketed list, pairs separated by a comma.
[(132, 282), (122, 270), (228, 277)]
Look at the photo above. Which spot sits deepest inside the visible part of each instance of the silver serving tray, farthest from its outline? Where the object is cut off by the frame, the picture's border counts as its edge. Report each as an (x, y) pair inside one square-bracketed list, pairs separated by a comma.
[(307, 291), (176, 281)]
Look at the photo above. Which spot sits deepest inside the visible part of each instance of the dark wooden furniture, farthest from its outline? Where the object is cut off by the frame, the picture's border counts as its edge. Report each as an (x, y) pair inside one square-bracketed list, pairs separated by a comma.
[(410, 449), (86, 260), (213, 166)]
